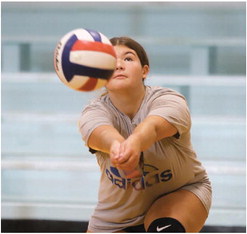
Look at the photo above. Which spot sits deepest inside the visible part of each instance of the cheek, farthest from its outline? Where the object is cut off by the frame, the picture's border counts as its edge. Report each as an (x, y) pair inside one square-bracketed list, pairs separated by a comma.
[(139, 73), (136, 69)]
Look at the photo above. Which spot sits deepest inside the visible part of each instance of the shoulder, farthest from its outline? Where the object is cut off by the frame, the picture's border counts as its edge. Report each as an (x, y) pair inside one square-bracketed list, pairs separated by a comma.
[(99, 103), (158, 92), (94, 113)]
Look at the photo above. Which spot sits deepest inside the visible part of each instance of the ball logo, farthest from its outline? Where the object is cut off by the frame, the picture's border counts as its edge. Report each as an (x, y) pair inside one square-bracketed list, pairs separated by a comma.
[(56, 56)]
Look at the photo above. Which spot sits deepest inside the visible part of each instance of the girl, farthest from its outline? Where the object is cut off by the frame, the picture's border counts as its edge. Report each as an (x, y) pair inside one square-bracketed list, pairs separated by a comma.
[(151, 179)]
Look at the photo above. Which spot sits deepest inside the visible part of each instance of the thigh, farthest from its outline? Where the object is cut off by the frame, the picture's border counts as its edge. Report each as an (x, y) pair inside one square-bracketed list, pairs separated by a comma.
[(182, 205)]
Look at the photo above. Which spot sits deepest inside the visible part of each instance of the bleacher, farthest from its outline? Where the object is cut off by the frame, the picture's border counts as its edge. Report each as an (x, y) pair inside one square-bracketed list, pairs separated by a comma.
[(197, 49)]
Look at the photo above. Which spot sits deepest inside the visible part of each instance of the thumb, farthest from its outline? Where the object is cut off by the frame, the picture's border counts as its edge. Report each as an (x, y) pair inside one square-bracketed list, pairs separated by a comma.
[(114, 152)]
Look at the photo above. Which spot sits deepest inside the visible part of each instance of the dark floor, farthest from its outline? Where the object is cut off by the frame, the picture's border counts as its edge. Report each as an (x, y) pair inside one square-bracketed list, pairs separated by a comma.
[(32, 226)]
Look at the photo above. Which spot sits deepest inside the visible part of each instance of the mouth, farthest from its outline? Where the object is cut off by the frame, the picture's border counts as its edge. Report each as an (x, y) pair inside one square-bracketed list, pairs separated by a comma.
[(119, 76)]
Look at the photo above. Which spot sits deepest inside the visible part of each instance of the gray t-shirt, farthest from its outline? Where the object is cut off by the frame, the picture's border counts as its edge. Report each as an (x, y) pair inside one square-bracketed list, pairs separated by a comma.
[(168, 164)]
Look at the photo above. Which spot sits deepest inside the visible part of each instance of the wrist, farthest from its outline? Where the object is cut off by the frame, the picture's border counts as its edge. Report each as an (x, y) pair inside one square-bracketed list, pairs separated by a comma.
[(135, 139)]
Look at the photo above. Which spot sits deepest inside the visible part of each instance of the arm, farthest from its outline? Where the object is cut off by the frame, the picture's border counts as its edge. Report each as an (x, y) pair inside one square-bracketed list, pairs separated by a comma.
[(107, 139), (152, 129)]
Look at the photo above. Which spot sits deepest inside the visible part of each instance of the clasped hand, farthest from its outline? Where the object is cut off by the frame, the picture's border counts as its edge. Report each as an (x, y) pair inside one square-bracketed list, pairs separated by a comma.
[(126, 155)]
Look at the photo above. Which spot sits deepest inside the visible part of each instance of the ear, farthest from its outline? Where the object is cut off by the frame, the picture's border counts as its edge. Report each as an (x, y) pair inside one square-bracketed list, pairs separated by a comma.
[(145, 71)]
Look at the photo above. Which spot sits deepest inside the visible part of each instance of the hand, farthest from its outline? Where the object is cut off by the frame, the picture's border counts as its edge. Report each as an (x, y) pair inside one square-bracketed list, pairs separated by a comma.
[(129, 153)]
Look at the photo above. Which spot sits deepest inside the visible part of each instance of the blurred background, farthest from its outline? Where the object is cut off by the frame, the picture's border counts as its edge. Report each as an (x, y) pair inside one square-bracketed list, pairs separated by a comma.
[(196, 48)]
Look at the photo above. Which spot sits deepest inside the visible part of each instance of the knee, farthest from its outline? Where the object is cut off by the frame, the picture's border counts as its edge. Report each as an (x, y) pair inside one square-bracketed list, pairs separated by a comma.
[(166, 225)]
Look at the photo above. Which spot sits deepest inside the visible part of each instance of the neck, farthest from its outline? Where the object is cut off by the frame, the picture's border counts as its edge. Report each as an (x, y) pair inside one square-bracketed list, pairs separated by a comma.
[(128, 102)]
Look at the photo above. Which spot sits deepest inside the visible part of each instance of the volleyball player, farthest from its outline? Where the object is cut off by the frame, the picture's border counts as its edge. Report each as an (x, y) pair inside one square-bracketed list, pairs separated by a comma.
[(151, 179)]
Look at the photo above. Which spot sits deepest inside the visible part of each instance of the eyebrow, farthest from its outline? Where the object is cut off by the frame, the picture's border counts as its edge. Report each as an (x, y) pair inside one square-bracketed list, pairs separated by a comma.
[(129, 52)]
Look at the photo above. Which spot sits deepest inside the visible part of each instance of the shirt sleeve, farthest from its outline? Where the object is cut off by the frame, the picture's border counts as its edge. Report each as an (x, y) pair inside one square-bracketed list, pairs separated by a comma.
[(172, 107), (93, 116)]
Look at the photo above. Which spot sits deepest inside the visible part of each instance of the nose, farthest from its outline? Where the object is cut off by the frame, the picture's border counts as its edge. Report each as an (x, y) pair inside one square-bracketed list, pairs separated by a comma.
[(119, 65)]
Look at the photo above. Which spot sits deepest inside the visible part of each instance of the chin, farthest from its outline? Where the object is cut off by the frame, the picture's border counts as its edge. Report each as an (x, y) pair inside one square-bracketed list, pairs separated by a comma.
[(114, 86), (118, 89)]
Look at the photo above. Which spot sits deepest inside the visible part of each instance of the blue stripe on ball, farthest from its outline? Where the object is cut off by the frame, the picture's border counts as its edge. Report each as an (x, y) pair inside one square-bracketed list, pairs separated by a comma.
[(66, 64), (71, 69), (89, 71), (96, 36)]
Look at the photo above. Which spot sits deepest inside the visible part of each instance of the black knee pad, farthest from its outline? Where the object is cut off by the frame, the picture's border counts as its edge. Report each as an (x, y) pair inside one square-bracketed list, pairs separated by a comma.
[(166, 225)]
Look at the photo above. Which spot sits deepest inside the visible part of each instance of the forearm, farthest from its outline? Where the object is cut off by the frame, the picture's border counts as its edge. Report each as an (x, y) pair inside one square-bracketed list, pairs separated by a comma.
[(152, 129), (103, 137), (145, 134)]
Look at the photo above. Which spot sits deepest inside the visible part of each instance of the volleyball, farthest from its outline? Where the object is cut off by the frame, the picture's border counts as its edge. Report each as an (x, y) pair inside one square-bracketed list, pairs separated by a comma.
[(84, 59)]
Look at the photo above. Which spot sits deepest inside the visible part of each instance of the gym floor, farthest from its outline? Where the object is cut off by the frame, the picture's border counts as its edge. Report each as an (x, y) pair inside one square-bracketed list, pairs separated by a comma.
[(32, 226)]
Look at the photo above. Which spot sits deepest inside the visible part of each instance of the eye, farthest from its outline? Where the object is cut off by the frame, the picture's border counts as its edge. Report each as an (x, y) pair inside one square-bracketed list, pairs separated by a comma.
[(128, 59)]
